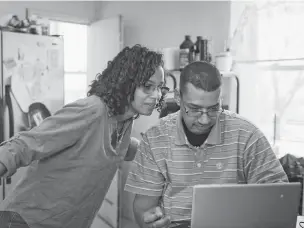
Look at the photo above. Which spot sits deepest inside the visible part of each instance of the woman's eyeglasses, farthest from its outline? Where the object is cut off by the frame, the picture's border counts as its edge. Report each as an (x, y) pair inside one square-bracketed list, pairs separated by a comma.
[(149, 89)]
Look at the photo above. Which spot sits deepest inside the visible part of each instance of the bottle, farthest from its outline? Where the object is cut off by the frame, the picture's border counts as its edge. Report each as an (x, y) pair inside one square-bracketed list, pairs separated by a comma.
[(204, 49), (186, 52), (210, 54), (191, 54), (198, 48)]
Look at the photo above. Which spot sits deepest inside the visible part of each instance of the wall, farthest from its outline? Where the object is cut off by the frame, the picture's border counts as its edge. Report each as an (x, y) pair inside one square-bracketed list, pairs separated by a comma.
[(78, 11), (164, 24)]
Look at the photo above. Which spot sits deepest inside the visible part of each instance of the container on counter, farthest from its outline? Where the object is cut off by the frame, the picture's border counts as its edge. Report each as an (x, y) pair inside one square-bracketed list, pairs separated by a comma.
[(223, 61), (186, 54), (206, 49), (198, 48)]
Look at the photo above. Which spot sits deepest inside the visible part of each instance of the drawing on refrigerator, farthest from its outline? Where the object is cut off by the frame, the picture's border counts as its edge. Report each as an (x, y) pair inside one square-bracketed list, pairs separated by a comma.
[(32, 85)]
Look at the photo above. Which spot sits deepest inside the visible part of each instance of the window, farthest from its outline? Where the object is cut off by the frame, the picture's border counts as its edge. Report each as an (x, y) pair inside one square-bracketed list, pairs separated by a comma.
[(280, 39), (277, 106), (75, 58), (276, 95), (279, 31)]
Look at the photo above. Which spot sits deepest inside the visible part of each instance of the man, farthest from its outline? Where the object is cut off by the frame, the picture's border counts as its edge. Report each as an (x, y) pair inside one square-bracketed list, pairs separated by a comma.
[(200, 144)]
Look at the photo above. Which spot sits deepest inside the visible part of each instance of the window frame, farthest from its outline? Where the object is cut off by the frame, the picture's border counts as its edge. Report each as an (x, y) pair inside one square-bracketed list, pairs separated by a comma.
[(69, 72)]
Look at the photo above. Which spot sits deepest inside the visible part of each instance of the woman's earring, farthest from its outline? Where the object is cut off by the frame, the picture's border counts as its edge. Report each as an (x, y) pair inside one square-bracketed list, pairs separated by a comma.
[(177, 97), (161, 103)]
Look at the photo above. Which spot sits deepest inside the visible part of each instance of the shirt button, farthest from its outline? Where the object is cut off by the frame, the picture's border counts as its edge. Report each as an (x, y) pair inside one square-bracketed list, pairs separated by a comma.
[(198, 165)]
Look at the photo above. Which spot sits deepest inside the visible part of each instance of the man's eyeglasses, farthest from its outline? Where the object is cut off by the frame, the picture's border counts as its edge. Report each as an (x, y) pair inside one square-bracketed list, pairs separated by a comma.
[(197, 112)]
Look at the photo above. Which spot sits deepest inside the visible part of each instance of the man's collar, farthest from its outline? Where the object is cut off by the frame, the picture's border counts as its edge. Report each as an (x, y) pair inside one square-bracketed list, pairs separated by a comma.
[(214, 137)]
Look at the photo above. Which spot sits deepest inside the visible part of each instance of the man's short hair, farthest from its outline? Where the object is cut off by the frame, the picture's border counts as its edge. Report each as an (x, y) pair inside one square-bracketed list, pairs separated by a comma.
[(202, 75)]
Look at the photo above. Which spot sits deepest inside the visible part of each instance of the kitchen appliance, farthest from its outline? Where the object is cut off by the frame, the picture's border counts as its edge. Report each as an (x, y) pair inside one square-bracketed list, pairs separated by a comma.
[(31, 86)]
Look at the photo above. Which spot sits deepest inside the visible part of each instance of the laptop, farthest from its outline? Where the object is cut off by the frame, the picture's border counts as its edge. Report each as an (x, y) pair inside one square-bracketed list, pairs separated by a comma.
[(246, 206)]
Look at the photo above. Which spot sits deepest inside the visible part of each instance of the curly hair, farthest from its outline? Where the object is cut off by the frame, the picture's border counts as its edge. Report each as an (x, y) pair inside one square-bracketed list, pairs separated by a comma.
[(131, 68)]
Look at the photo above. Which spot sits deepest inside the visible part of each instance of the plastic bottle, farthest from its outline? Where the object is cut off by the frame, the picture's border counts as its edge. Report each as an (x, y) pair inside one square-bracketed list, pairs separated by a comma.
[(186, 52)]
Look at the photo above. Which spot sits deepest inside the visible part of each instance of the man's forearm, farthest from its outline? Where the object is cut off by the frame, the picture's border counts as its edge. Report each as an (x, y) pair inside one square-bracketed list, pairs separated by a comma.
[(141, 205), (138, 215)]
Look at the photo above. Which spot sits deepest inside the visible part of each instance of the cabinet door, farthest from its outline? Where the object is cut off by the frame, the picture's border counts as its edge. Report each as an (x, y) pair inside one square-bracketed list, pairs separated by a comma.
[(108, 214)]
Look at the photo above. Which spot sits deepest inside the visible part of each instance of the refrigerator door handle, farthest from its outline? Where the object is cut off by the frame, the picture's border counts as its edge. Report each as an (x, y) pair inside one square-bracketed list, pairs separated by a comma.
[(11, 118)]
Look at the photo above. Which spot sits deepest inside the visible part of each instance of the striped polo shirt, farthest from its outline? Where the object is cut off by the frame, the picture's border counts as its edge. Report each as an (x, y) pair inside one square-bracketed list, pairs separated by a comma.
[(166, 164)]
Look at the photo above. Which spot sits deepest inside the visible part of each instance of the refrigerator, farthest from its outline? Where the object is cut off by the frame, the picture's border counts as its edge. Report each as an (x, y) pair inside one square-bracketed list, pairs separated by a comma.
[(31, 86)]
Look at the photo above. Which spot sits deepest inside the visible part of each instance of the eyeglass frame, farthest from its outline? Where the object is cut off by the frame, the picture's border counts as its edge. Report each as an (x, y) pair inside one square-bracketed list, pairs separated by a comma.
[(162, 89), (201, 111)]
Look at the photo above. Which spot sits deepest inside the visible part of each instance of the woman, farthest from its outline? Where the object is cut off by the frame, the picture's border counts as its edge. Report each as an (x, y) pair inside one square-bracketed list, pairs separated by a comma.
[(74, 154)]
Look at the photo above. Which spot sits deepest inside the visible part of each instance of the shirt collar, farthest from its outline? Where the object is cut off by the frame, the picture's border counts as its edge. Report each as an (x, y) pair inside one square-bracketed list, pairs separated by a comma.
[(214, 137)]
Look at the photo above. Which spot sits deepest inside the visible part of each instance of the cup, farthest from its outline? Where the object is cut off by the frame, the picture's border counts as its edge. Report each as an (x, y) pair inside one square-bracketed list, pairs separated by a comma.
[(300, 222)]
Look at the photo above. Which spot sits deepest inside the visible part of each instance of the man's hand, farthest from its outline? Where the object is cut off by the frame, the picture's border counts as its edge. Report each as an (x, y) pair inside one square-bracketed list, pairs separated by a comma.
[(154, 218)]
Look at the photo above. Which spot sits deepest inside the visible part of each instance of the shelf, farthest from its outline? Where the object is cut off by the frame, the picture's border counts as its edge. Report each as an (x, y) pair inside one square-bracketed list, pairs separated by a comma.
[(223, 73), (229, 74)]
